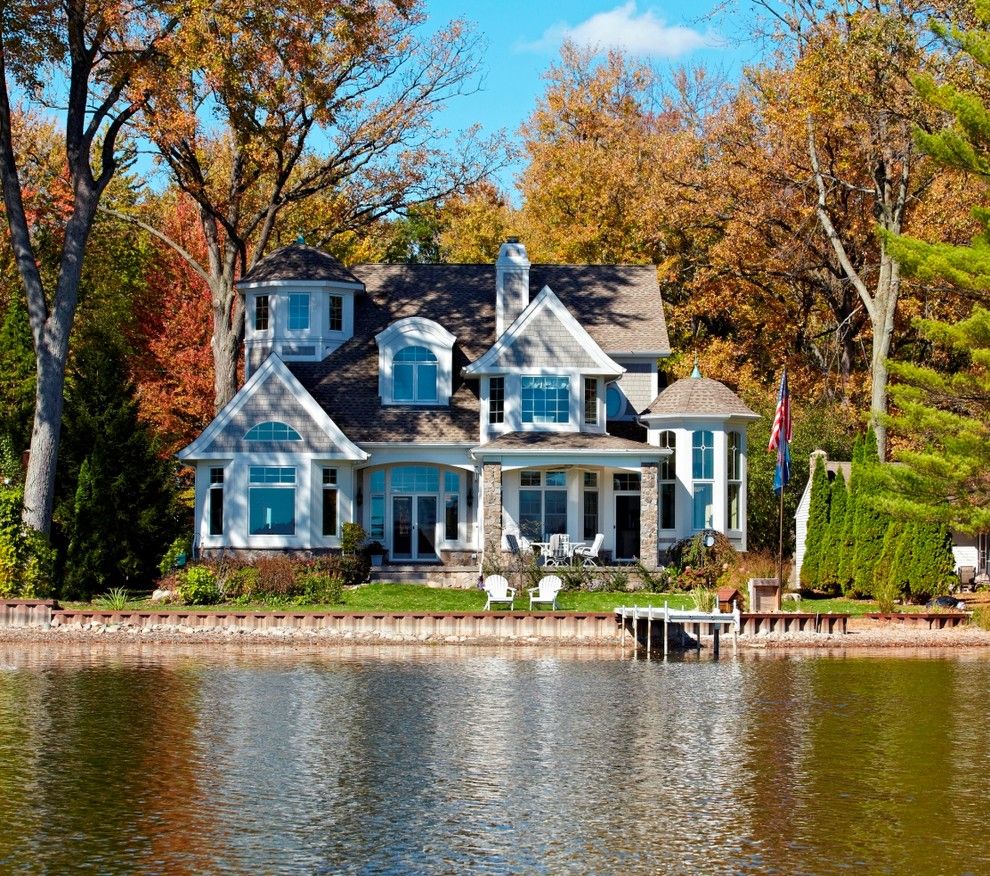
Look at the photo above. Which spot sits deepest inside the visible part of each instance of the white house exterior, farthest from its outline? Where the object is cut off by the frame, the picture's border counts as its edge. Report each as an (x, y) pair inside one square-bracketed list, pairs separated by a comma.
[(445, 407)]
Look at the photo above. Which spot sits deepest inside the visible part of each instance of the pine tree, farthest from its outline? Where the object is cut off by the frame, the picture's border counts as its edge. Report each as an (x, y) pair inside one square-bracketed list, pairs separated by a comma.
[(870, 524), (932, 563), (832, 546), (122, 513), (847, 542), (817, 526), (901, 572), (886, 580), (942, 476)]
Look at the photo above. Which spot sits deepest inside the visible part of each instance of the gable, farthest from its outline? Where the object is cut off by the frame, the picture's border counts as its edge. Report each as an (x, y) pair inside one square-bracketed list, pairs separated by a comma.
[(273, 394), (545, 336)]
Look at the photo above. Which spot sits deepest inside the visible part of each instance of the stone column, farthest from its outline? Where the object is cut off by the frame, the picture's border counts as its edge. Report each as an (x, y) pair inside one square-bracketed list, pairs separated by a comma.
[(649, 514), (491, 521)]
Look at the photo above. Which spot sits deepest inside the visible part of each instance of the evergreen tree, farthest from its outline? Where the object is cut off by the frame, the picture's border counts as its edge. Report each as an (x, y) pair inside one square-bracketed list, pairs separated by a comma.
[(818, 516), (901, 572), (932, 564), (833, 544), (121, 513), (942, 476), (19, 373), (847, 543), (886, 580), (870, 525)]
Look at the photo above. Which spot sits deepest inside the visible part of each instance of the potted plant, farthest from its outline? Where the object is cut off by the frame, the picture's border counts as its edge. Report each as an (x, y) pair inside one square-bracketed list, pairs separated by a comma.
[(376, 552)]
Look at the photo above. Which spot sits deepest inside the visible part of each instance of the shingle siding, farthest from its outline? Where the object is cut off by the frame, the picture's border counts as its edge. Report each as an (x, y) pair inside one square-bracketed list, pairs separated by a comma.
[(271, 401), (638, 388), (545, 343)]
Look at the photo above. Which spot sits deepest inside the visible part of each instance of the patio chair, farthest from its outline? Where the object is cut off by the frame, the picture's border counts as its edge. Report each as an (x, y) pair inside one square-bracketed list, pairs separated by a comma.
[(549, 587), (498, 591), (556, 553), (518, 545), (589, 555)]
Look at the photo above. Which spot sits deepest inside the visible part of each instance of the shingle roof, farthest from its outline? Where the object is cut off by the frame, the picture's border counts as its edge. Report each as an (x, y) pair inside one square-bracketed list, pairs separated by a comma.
[(699, 395), (565, 441), (299, 262), (619, 306)]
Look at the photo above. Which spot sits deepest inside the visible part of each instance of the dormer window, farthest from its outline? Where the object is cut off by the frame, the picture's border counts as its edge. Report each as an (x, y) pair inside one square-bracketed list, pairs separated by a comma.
[(272, 431), (299, 312), (414, 375), (546, 400), (415, 363)]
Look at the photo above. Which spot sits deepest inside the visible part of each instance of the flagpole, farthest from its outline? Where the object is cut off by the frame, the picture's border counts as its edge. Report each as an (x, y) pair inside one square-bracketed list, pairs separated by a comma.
[(780, 543)]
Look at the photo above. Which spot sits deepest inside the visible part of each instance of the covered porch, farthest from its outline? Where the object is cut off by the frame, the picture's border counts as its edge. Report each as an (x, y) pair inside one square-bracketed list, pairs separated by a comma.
[(535, 485)]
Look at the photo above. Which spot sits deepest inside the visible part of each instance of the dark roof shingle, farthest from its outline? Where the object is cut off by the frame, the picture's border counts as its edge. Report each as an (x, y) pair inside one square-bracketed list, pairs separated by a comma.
[(699, 395), (565, 441), (619, 306), (299, 262)]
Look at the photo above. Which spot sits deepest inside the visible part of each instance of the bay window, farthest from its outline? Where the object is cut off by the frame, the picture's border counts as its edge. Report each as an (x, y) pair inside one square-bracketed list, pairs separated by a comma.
[(703, 477), (546, 400)]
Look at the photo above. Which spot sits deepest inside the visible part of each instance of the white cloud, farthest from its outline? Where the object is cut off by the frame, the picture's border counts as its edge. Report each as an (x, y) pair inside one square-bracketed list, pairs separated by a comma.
[(623, 28)]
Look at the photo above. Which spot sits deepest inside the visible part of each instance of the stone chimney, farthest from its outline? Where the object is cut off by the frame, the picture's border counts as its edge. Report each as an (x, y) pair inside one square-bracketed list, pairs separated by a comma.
[(511, 284)]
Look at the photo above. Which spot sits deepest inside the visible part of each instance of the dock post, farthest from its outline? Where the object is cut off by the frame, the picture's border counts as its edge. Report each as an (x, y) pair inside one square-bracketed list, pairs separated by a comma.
[(666, 637), (697, 637), (649, 631), (635, 627), (715, 632)]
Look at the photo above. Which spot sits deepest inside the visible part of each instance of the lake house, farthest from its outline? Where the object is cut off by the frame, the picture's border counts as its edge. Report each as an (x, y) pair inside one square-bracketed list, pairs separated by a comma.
[(446, 407)]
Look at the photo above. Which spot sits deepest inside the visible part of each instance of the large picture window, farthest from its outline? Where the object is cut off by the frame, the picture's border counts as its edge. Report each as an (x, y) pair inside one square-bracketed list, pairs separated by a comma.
[(542, 504), (272, 500), (546, 400), (414, 375), (703, 474), (299, 311)]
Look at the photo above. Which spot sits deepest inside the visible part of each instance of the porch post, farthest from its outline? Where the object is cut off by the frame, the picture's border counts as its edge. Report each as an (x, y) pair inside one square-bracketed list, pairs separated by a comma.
[(491, 497), (649, 512)]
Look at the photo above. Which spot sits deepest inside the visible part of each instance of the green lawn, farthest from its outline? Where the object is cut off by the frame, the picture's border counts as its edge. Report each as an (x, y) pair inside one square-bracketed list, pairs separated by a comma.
[(841, 605), (415, 597)]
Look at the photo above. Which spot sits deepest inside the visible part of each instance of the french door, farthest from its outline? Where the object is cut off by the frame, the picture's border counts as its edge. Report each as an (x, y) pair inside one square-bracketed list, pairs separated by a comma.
[(626, 526), (414, 527)]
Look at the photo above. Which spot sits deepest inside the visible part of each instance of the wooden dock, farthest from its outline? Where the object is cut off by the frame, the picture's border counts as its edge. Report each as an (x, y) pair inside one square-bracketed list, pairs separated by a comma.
[(675, 622)]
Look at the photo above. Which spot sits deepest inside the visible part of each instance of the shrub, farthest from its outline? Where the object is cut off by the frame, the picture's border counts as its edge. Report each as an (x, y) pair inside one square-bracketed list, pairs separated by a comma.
[(886, 591), (981, 616), (239, 582), (27, 560), (352, 569), (182, 545), (276, 577), (352, 537), (656, 581), (320, 589), (704, 599), (198, 586), (617, 581), (575, 577), (114, 600)]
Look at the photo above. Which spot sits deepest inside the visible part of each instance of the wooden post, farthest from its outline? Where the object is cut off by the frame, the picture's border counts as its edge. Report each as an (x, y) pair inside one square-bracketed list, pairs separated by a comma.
[(715, 632), (666, 634), (780, 544), (649, 631)]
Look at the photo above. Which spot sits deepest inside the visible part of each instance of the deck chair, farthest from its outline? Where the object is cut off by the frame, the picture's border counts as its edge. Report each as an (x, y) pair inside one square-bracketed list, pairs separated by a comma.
[(556, 552), (518, 545), (549, 587), (498, 590), (589, 555)]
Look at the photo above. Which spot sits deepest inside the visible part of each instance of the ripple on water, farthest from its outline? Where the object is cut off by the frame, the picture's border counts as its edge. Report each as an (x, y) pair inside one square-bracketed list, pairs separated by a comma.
[(421, 761)]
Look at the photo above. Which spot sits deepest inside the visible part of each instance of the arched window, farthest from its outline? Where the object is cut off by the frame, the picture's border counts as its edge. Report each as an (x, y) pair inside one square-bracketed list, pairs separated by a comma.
[(414, 375), (273, 430)]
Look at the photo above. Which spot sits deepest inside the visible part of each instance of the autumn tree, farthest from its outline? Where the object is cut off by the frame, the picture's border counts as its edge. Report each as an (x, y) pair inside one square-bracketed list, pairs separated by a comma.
[(328, 101), (83, 60), (853, 98)]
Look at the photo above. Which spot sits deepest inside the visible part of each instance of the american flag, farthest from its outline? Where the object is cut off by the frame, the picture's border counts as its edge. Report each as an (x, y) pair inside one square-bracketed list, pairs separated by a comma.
[(780, 436)]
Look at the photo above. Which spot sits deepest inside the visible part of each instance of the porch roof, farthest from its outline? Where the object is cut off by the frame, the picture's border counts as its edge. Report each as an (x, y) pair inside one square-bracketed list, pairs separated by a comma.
[(572, 443)]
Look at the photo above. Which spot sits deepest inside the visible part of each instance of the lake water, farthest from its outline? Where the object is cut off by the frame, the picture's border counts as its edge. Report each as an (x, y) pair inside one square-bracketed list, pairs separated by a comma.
[(456, 761)]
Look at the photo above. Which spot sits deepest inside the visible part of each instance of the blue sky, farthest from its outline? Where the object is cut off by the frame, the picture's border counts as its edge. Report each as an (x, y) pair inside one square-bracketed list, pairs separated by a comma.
[(523, 38)]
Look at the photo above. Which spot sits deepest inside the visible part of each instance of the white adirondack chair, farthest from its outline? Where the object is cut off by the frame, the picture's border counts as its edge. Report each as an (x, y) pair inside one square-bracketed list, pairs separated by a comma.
[(589, 555), (549, 587), (498, 591)]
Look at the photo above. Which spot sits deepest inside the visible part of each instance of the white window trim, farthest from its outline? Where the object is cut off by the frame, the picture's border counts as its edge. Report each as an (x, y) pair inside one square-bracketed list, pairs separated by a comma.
[(415, 331)]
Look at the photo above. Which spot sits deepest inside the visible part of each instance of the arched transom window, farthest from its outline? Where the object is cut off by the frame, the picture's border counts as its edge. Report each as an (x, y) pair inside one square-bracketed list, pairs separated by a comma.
[(414, 372), (273, 430)]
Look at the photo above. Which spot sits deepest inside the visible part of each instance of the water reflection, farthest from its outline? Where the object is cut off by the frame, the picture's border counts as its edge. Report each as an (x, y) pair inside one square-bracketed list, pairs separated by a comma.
[(187, 760)]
